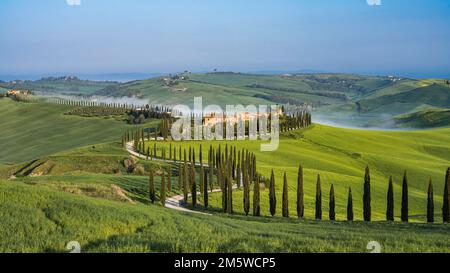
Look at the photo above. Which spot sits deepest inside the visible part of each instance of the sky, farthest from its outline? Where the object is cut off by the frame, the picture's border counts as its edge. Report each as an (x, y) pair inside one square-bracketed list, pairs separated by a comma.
[(382, 37)]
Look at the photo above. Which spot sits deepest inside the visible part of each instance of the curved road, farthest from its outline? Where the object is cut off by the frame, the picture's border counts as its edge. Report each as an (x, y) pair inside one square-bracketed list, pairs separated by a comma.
[(173, 202)]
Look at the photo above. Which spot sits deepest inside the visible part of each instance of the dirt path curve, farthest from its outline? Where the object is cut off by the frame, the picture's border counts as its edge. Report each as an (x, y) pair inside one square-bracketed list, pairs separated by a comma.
[(174, 202)]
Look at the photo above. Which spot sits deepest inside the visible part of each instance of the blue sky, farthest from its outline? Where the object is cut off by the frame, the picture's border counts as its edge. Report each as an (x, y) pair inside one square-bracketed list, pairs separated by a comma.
[(407, 37)]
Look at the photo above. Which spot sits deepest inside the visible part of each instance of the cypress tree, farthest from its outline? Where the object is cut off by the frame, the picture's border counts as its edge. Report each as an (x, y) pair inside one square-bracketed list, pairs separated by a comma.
[(300, 193), (205, 189), (238, 170), (272, 196), (332, 205), (202, 180), (151, 187), (285, 198), (169, 179), (318, 199), (350, 205), (180, 177), (162, 197), (446, 203), (229, 195), (404, 214), (256, 196), (390, 201), (193, 186), (246, 195), (185, 183), (366, 197), (224, 186), (211, 176), (430, 203)]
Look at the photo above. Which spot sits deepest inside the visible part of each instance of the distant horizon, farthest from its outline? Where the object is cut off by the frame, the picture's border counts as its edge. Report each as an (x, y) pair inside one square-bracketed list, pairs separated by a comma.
[(367, 37), (131, 76)]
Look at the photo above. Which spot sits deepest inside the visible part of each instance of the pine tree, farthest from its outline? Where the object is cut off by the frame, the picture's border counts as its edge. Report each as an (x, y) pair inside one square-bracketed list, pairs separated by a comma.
[(318, 199), (430, 203), (404, 215), (162, 197), (332, 205), (350, 205), (367, 211), (390, 201), (300, 193), (256, 203), (285, 198), (151, 188), (272, 196), (446, 201)]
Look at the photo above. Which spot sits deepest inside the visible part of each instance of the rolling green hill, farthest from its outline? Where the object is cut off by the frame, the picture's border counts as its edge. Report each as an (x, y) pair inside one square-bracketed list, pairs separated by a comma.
[(64, 85), (33, 130), (434, 117), (40, 218), (67, 190), (340, 156), (351, 100)]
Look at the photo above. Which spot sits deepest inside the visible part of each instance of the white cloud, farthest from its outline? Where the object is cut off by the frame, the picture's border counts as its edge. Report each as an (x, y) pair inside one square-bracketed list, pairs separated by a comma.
[(374, 2), (73, 2)]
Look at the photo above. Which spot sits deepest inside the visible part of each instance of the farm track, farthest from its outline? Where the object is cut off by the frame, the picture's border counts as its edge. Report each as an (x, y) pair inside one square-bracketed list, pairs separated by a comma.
[(174, 202)]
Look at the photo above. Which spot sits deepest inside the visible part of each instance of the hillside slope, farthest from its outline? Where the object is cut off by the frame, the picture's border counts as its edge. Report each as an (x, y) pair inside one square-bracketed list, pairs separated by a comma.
[(32, 130)]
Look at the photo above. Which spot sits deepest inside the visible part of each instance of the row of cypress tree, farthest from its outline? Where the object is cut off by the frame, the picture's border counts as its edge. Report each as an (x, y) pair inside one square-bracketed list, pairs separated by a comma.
[(231, 168)]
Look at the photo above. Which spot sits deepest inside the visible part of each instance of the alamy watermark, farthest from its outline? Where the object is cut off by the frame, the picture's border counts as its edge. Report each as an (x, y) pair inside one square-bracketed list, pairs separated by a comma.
[(241, 123)]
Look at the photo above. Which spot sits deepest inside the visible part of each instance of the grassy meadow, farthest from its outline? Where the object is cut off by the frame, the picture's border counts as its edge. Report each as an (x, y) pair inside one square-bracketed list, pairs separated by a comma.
[(40, 218), (340, 157), (33, 130), (71, 184)]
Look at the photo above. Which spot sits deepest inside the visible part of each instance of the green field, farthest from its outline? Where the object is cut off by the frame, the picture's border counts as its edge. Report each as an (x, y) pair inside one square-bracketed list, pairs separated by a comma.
[(60, 85), (42, 218), (70, 187), (340, 157), (32, 130), (434, 117)]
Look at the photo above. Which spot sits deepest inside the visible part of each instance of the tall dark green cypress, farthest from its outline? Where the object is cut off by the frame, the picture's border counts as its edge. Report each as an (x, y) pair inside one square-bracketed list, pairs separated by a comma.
[(256, 196), (193, 186), (404, 212), (151, 187), (350, 205), (318, 199), (272, 195), (300, 193), (246, 185), (430, 203), (169, 179), (446, 199), (229, 195), (390, 201), (285, 198), (185, 183), (332, 205), (367, 210), (202, 180), (205, 190), (162, 196)]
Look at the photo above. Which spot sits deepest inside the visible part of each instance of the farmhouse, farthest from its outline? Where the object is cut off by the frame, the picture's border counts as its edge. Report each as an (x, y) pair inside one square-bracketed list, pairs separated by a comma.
[(18, 93)]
